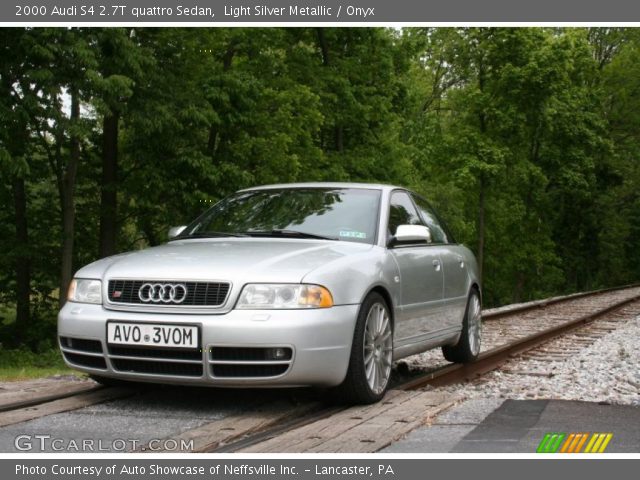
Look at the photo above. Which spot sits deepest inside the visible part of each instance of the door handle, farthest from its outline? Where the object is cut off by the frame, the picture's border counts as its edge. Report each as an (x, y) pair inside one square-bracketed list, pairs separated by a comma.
[(436, 265)]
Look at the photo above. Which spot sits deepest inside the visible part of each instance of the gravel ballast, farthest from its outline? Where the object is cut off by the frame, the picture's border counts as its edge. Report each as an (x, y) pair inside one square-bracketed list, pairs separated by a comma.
[(606, 371)]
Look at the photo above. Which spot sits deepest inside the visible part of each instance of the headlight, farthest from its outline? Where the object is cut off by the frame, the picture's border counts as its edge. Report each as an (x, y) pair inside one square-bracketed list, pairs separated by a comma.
[(83, 290), (271, 295)]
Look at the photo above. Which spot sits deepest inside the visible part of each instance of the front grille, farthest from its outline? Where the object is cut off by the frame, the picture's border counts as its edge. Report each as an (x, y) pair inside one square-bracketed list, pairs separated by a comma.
[(159, 361), (93, 346), (159, 368), (158, 353), (85, 360), (206, 294), (240, 370)]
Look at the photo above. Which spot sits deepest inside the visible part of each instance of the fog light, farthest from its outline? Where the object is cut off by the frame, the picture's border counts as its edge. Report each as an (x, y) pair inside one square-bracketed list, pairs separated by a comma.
[(278, 353)]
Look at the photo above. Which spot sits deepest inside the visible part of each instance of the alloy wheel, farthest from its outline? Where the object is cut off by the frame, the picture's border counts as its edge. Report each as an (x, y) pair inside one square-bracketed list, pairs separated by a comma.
[(474, 319), (378, 348)]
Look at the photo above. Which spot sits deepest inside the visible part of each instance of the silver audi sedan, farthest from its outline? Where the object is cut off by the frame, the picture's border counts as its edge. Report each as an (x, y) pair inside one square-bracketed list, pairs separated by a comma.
[(310, 284)]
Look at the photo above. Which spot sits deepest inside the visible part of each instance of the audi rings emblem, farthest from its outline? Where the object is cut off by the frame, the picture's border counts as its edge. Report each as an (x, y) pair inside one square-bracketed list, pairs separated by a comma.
[(162, 292)]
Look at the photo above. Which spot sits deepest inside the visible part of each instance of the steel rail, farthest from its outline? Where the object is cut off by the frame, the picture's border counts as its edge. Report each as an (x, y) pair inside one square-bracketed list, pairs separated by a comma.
[(491, 359), (494, 315), (31, 402)]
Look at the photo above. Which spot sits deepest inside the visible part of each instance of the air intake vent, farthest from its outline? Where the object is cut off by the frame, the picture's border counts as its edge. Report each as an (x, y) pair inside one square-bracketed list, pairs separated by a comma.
[(249, 362), (248, 371), (157, 368)]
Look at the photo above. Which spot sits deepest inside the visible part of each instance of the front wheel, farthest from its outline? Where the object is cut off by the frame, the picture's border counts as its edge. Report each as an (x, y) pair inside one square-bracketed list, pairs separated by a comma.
[(112, 382), (468, 347), (371, 354)]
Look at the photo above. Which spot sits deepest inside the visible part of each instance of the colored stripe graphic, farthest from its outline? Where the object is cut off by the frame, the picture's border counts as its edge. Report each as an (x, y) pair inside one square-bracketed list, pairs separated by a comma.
[(581, 443), (565, 447), (576, 439), (555, 442), (591, 442), (607, 439), (599, 443), (543, 443), (551, 442)]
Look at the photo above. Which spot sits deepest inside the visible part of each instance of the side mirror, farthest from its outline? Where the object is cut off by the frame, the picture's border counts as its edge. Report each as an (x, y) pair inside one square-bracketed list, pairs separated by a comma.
[(411, 234), (175, 231)]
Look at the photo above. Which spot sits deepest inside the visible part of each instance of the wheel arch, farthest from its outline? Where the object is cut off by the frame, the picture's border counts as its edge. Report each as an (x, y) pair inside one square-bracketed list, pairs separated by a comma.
[(476, 287), (387, 298)]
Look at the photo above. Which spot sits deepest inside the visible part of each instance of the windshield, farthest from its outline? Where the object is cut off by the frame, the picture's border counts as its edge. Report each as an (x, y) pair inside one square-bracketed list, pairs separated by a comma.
[(349, 214)]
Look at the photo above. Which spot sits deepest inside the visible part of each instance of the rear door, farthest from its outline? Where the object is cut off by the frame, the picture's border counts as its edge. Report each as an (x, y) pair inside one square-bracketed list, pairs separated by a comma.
[(456, 278), (421, 276)]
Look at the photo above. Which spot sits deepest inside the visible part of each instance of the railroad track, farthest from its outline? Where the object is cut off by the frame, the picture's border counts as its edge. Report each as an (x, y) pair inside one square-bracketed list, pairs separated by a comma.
[(70, 397), (20, 403), (539, 323), (492, 358), (41, 392), (510, 325), (508, 332), (495, 313)]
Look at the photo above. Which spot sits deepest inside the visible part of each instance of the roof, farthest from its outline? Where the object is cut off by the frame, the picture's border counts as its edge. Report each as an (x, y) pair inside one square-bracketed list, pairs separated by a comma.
[(375, 186)]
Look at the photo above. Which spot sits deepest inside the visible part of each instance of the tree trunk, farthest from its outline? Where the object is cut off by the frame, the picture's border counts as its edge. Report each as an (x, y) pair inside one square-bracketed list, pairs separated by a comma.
[(68, 203), (481, 181), (149, 233), (481, 201), (519, 288), (214, 130), (18, 140), (324, 48), (338, 130), (212, 141), (23, 262), (481, 209), (108, 192)]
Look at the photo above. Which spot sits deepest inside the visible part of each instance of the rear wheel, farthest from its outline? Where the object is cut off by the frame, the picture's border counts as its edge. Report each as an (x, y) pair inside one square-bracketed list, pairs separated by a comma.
[(468, 347), (371, 354)]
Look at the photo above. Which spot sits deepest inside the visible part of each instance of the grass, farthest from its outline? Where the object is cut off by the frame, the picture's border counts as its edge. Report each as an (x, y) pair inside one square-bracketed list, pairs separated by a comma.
[(15, 374), (24, 365)]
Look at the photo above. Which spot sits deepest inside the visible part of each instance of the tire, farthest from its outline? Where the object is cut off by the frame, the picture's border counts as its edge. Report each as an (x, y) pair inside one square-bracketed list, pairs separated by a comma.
[(111, 382), (468, 347), (369, 368)]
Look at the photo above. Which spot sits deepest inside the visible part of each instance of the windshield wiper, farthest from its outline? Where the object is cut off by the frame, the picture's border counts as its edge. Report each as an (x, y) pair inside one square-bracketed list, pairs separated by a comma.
[(288, 233), (211, 235)]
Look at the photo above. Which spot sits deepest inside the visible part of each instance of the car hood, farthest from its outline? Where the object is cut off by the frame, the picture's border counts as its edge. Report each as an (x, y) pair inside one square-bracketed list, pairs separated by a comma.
[(237, 260)]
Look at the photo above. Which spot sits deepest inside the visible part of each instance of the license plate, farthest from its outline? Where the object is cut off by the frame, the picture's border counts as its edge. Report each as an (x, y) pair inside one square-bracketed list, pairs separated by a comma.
[(154, 335)]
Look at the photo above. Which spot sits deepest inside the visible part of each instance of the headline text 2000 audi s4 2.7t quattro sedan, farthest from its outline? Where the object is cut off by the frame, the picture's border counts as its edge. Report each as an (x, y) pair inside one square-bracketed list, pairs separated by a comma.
[(317, 284)]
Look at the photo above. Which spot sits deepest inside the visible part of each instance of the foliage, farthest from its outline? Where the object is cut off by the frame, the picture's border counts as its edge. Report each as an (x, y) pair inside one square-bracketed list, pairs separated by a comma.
[(525, 139)]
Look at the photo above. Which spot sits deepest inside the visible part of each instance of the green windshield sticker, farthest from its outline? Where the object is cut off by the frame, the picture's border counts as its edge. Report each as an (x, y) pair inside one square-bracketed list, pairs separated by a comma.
[(352, 234)]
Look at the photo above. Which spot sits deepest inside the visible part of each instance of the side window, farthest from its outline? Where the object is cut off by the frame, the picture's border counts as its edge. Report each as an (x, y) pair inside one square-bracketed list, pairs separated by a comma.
[(438, 234), (402, 212)]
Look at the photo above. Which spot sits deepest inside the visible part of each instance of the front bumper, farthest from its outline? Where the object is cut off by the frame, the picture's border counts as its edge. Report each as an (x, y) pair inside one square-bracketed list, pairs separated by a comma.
[(319, 341)]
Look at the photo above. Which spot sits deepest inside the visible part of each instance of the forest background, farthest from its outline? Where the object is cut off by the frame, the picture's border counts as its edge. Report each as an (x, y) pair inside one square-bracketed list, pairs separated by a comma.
[(526, 141)]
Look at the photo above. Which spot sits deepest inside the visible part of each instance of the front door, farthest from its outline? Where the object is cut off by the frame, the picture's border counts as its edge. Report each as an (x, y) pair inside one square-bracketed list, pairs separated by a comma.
[(421, 277)]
